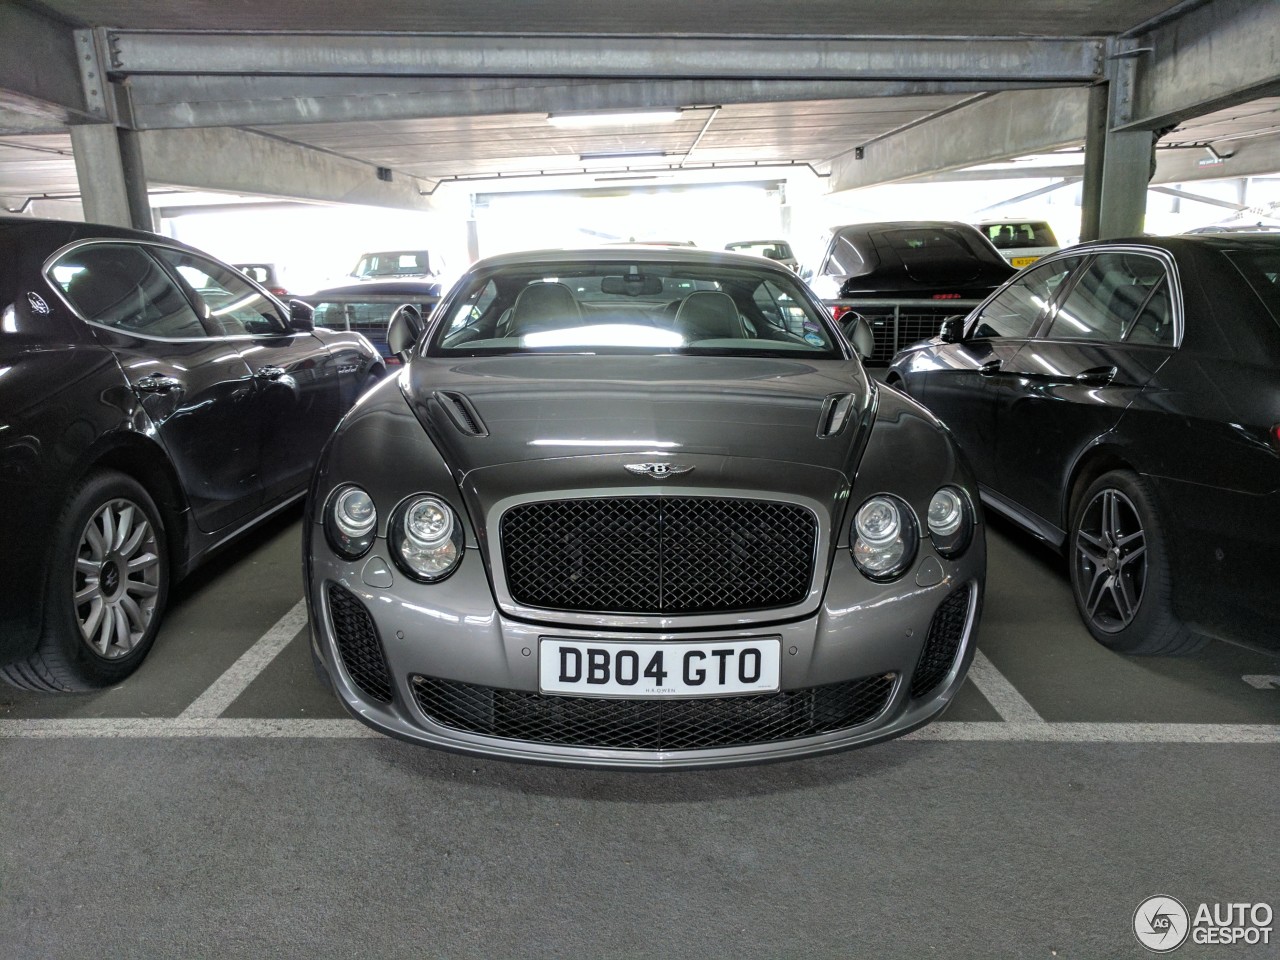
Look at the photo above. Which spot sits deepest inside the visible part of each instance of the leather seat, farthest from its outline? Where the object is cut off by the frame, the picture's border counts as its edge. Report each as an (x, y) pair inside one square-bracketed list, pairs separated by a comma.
[(543, 306), (709, 315)]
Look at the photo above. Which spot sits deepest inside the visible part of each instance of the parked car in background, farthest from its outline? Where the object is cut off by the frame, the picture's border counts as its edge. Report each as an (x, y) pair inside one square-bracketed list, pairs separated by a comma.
[(154, 404), (366, 307), (1021, 242), (776, 250), (1121, 401), (633, 516), (904, 278), (400, 264), (265, 275)]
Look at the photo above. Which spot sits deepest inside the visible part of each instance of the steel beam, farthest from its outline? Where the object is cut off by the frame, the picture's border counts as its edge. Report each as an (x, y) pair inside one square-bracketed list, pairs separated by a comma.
[(650, 57), (1214, 56), (996, 128), (162, 102), (240, 161), (39, 68)]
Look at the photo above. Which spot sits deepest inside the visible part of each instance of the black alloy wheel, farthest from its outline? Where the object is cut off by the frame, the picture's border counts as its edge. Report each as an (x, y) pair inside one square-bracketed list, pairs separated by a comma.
[(1120, 572)]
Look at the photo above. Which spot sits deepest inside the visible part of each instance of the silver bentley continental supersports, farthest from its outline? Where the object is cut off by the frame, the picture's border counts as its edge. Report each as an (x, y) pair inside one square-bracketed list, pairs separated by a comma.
[(640, 507)]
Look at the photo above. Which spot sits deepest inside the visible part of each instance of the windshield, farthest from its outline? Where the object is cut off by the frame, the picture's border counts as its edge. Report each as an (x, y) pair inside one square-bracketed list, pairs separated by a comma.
[(617, 306), (394, 263)]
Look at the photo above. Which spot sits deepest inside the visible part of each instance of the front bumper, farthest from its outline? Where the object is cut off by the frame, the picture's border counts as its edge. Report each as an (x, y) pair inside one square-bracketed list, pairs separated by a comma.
[(439, 664)]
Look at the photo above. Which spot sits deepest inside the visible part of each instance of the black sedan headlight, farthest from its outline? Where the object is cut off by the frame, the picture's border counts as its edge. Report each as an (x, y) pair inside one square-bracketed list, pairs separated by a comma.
[(884, 537), (950, 521), (350, 522), (426, 538)]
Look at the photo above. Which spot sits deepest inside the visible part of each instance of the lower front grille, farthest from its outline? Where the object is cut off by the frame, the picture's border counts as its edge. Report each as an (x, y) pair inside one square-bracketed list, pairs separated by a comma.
[(358, 644), (685, 724), (946, 631)]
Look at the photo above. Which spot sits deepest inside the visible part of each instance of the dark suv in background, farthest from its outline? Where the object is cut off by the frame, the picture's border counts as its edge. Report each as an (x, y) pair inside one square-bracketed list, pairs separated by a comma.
[(154, 404), (905, 277)]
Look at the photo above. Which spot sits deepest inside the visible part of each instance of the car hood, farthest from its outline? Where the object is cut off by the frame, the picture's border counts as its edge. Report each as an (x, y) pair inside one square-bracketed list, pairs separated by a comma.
[(485, 412)]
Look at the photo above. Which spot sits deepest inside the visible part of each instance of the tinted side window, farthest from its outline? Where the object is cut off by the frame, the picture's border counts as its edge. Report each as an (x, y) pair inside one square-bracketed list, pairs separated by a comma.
[(232, 307), (846, 258), (121, 286), (1113, 297), (1015, 312)]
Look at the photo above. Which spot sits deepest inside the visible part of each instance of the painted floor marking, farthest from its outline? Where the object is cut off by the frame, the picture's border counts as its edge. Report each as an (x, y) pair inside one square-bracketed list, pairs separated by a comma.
[(1262, 681), (1000, 693), (224, 691), (990, 731)]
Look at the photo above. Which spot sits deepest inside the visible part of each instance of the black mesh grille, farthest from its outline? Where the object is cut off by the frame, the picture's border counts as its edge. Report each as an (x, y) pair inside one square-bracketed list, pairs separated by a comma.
[(658, 554), (358, 644), (945, 633), (689, 724)]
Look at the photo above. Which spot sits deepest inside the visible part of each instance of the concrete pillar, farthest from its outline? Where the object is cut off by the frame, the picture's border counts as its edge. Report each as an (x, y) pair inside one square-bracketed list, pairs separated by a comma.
[(96, 150), (135, 180)]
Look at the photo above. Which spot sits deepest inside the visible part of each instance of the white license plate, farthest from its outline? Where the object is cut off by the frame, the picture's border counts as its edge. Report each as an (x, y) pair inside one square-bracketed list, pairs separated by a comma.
[(704, 669)]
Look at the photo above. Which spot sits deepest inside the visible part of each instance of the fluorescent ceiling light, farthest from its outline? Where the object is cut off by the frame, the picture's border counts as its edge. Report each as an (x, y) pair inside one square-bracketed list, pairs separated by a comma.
[(622, 155), (622, 119)]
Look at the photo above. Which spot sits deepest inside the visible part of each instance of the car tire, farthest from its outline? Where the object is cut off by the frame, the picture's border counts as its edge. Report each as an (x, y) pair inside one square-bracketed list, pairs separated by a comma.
[(1120, 571), (105, 591)]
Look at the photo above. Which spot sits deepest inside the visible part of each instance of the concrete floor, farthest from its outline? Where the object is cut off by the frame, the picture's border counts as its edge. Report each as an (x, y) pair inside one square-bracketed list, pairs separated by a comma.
[(1064, 786)]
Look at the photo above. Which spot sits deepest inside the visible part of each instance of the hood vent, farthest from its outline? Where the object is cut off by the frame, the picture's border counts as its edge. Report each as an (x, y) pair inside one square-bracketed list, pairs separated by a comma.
[(462, 413), (835, 414)]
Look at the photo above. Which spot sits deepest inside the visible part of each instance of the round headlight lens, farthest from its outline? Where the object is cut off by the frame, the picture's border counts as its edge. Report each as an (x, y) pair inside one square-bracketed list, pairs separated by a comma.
[(426, 538), (878, 522), (353, 512), (884, 537), (951, 521), (946, 512), (351, 522)]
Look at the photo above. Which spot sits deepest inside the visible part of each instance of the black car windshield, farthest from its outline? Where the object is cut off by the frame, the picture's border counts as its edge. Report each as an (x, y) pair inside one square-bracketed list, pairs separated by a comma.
[(632, 306)]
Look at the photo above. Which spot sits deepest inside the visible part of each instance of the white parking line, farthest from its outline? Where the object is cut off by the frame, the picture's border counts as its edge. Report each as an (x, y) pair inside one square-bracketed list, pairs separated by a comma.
[(1000, 693), (990, 731), (235, 681)]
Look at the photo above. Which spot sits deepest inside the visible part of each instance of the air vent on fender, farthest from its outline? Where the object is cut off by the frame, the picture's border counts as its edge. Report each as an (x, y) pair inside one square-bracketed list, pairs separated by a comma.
[(462, 413), (835, 414)]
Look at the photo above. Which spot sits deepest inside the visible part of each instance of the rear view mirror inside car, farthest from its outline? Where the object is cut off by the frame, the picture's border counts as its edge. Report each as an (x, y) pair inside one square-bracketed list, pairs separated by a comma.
[(632, 285)]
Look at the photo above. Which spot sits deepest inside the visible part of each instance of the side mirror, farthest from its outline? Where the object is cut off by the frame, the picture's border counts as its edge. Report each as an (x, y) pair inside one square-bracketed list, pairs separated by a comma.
[(403, 330), (302, 316), (952, 330), (859, 331)]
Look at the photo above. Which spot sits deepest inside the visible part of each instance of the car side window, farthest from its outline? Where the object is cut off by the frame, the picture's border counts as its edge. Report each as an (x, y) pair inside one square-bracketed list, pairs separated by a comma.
[(120, 285), (1117, 297), (1016, 311), (845, 259), (232, 306)]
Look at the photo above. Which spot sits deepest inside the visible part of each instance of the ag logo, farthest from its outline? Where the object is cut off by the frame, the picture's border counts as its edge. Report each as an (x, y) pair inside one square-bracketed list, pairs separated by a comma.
[(37, 303), (658, 471), (1161, 923)]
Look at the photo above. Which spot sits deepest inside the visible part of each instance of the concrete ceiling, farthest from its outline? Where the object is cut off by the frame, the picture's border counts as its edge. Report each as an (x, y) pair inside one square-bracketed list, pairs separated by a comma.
[(461, 90)]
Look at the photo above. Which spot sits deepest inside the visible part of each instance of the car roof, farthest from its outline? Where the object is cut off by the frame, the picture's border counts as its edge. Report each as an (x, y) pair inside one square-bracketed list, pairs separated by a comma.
[(1185, 242), (628, 254)]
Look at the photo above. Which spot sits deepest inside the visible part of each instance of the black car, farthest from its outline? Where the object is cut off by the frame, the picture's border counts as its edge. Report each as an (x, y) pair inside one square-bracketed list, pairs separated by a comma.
[(1121, 401), (906, 277), (154, 404)]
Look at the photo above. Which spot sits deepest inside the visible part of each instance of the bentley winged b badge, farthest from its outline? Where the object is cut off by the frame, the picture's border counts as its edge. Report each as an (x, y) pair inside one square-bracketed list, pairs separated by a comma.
[(658, 471)]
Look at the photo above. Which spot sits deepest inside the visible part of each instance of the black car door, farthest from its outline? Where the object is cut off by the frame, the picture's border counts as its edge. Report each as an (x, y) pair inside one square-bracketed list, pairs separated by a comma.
[(965, 384), (1070, 385), (198, 393), (299, 396)]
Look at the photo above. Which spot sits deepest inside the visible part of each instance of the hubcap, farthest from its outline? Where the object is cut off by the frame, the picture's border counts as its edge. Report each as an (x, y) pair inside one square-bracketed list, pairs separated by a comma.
[(117, 579), (1111, 561)]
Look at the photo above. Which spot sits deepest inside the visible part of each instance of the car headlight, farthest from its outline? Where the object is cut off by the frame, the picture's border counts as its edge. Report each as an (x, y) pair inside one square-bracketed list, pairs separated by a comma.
[(950, 521), (350, 522), (884, 537), (426, 538)]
